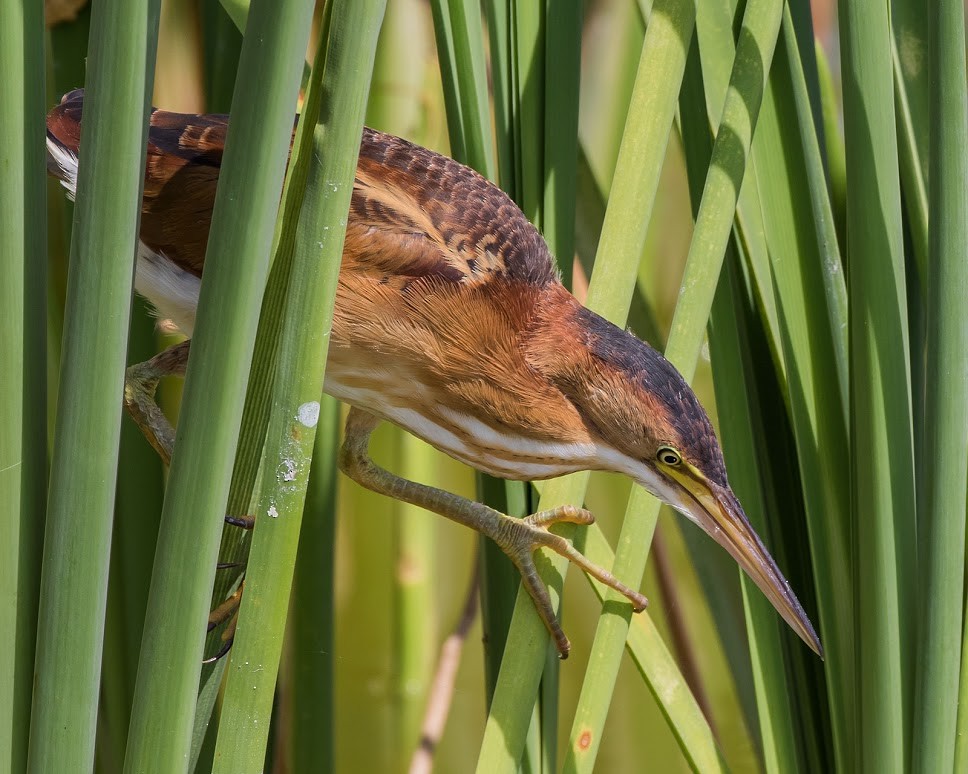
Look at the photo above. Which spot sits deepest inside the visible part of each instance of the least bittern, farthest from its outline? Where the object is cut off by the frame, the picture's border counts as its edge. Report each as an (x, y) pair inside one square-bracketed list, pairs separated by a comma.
[(451, 322)]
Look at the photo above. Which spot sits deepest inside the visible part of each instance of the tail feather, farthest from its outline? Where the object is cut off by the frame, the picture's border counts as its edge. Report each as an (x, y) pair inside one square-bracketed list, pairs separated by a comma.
[(64, 139)]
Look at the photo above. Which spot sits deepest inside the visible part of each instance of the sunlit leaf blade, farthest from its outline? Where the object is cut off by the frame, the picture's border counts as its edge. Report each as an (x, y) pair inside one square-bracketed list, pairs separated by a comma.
[(84, 464), (942, 486), (881, 443)]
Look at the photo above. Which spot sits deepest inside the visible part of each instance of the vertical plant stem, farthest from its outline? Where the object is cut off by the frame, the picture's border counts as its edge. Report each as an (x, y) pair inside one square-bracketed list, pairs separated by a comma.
[(251, 679), (472, 82), (743, 435), (23, 396), (235, 273), (807, 278), (942, 494), (755, 51), (663, 60), (882, 464), (528, 49), (562, 68), (394, 107), (77, 551), (312, 623)]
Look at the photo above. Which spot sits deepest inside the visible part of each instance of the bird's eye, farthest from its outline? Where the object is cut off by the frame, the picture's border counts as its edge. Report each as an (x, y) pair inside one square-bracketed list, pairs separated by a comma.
[(668, 456)]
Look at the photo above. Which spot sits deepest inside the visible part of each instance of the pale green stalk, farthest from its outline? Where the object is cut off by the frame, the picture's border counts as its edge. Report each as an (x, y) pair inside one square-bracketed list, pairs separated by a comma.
[(237, 262), (472, 83), (140, 493), (833, 147), (961, 737), (913, 179), (444, 36), (810, 291), (76, 551), (754, 53), (663, 60), (717, 52), (613, 42), (235, 543), (881, 442), (23, 312), (562, 68), (941, 515), (661, 675), (250, 685), (312, 636), (528, 50), (501, 743), (394, 107), (910, 46)]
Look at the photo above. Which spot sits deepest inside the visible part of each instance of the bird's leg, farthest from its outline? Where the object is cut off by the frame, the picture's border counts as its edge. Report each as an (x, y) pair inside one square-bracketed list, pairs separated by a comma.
[(140, 384), (518, 538), (229, 609)]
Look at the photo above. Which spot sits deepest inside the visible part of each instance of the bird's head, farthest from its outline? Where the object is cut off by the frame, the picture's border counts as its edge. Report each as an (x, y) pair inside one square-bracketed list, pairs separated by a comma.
[(651, 426)]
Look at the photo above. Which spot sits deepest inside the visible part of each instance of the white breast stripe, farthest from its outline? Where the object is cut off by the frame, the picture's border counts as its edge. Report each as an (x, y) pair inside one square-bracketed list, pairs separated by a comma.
[(67, 162), (516, 445), (524, 459), (171, 290)]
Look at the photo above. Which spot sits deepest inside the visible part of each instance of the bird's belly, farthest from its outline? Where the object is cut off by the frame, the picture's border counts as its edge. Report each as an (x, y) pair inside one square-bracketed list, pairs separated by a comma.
[(170, 289), (409, 404), (360, 377)]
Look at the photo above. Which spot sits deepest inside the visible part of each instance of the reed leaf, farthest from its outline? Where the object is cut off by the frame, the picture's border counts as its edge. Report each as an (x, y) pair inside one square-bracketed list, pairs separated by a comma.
[(236, 266), (344, 79), (942, 488), (76, 551), (663, 59), (23, 381), (881, 442)]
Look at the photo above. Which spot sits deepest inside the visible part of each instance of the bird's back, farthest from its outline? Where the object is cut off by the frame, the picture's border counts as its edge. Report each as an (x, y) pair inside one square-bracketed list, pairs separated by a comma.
[(441, 280), (414, 213)]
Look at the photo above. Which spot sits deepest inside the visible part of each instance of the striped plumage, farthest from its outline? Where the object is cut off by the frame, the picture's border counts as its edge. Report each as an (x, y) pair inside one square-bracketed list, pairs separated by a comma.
[(450, 321), (424, 272)]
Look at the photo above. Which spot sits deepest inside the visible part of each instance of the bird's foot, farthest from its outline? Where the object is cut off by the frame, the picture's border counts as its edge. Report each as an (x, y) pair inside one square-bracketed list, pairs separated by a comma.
[(519, 538), (227, 611), (140, 384)]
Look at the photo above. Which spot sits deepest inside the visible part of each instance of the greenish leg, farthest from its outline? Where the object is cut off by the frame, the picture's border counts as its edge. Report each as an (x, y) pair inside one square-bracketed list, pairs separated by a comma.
[(518, 538), (140, 385)]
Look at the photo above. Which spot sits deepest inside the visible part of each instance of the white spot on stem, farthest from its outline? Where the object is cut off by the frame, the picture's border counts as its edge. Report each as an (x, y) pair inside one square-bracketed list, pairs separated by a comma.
[(308, 413)]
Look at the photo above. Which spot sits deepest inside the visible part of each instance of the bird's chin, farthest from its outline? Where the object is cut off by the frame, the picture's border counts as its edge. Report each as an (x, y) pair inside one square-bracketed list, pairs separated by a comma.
[(646, 476)]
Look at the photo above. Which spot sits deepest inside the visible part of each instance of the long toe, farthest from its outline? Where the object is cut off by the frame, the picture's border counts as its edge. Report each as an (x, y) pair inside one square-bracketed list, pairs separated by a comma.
[(542, 602), (558, 544), (568, 514)]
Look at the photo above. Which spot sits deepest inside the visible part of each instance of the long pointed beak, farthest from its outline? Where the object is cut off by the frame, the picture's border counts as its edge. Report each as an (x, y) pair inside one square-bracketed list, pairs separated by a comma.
[(721, 516)]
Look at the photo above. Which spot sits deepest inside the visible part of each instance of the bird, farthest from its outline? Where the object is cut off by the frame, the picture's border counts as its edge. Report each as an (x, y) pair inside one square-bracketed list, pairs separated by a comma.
[(450, 322)]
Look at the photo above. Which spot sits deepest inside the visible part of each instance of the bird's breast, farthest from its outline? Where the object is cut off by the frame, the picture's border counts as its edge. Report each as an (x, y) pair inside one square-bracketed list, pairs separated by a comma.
[(171, 290)]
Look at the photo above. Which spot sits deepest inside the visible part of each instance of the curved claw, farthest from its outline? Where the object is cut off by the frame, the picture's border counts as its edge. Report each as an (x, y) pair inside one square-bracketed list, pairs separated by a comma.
[(227, 611), (522, 537), (222, 652)]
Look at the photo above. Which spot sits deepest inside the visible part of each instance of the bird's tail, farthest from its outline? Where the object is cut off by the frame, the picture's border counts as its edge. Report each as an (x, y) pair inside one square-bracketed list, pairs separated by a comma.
[(64, 139)]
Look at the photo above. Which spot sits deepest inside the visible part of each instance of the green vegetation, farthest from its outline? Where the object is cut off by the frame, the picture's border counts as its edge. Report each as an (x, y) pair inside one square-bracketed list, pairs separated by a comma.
[(792, 232)]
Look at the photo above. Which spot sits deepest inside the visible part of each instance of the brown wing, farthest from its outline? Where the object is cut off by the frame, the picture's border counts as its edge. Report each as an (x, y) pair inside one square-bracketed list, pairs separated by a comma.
[(181, 172), (414, 213)]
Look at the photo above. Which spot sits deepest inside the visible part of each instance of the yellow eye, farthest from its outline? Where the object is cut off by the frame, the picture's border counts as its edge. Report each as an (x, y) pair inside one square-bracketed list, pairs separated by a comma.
[(668, 456)]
